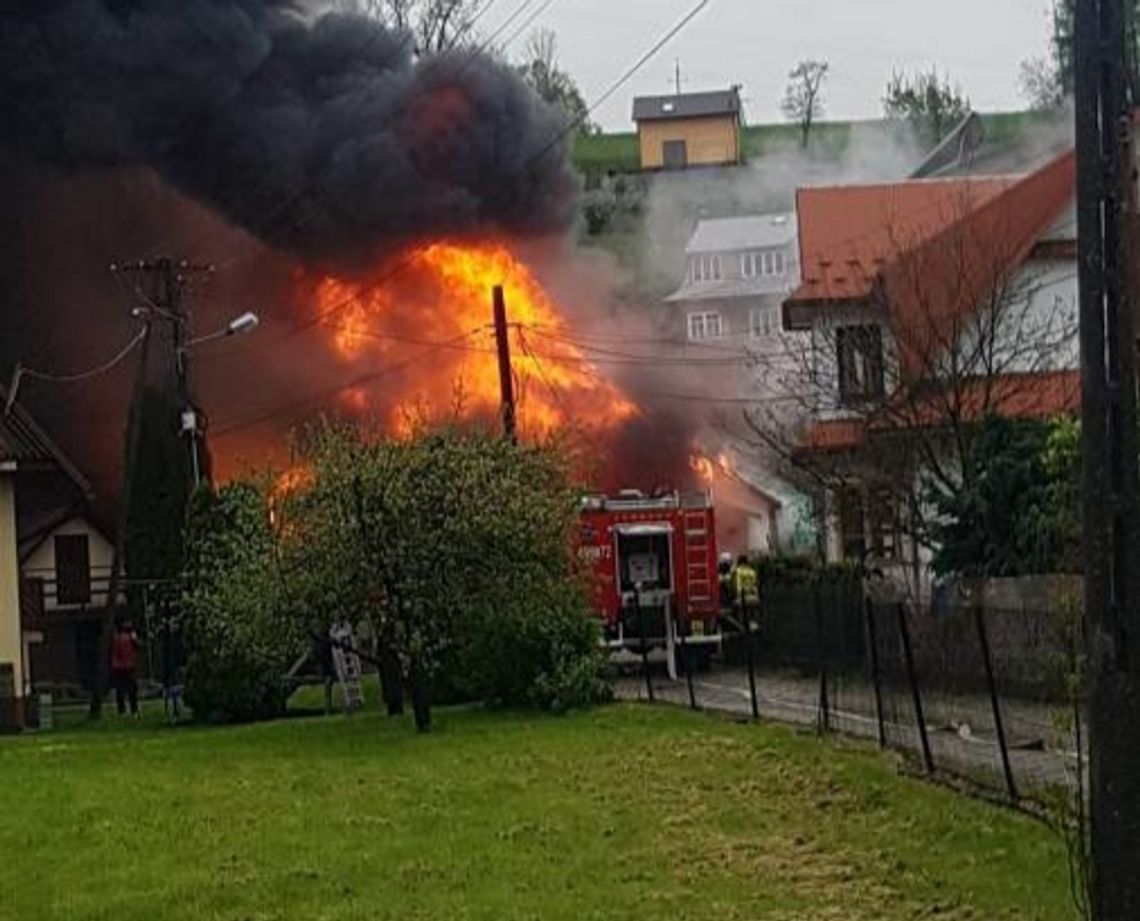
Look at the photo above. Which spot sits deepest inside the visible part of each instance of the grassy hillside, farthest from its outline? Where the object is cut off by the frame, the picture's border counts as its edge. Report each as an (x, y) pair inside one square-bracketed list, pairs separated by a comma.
[(618, 152)]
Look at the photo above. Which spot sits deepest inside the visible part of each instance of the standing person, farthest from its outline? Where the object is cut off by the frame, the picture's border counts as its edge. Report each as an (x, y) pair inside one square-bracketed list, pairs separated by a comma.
[(172, 666), (745, 590), (124, 663), (724, 582)]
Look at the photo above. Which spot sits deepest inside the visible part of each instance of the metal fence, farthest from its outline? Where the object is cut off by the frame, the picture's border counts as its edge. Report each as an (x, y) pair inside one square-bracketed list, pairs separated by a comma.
[(972, 693)]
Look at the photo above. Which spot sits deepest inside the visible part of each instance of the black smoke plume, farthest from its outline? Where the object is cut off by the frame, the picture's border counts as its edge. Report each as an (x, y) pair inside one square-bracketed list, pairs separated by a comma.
[(319, 132)]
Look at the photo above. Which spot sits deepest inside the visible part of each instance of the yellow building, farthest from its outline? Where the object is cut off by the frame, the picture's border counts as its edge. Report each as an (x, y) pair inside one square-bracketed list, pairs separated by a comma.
[(689, 129)]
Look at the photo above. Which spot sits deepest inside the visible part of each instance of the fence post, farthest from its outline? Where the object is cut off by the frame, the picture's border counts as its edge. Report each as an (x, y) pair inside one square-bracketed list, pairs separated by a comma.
[(687, 659), (750, 650), (876, 678), (824, 723), (999, 725), (904, 634), (644, 644)]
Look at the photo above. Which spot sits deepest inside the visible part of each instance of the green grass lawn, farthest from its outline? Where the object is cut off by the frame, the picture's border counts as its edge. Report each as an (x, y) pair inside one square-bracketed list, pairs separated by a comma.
[(625, 812)]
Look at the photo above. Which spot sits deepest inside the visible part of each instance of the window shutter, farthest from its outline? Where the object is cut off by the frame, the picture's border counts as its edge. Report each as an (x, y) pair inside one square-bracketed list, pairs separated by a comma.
[(72, 569)]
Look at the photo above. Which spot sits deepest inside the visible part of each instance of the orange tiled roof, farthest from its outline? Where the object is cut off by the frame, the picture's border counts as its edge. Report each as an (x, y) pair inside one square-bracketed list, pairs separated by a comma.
[(1037, 395), (848, 233), (1018, 396), (834, 435), (927, 250)]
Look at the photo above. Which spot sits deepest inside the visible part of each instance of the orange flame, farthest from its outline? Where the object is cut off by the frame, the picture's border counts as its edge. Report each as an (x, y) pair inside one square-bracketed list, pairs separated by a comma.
[(703, 467), (425, 331)]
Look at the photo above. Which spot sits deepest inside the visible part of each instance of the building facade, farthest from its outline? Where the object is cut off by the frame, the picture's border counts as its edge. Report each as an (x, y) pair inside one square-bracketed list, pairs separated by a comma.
[(688, 129), (926, 305)]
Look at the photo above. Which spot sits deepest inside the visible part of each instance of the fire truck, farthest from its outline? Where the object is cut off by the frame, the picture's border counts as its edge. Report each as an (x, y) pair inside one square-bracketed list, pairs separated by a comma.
[(653, 560)]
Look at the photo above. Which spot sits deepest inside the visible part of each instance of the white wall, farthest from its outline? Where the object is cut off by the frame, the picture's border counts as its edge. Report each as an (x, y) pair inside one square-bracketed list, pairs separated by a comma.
[(41, 563), (11, 639)]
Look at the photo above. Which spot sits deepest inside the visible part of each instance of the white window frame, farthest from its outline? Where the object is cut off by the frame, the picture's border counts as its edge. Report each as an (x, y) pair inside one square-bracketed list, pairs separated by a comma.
[(763, 262), (705, 268), (705, 324), (763, 321)]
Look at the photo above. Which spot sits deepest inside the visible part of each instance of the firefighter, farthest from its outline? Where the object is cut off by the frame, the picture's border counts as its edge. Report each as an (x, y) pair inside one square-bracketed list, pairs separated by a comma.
[(745, 589), (724, 580)]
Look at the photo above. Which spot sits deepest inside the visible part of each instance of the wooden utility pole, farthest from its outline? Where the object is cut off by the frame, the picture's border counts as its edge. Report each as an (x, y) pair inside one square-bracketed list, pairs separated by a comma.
[(506, 380), (161, 302), (1106, 216)]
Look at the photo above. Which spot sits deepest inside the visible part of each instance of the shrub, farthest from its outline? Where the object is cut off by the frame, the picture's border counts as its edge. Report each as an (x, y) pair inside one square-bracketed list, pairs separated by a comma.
[(241, 637), (540, 649)]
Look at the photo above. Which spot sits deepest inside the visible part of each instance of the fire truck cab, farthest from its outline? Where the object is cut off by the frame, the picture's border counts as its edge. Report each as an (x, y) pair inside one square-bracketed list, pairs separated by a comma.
[(653, 562)]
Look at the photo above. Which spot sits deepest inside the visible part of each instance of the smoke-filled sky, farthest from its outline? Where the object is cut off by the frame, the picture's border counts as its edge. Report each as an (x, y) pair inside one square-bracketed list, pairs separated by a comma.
[(318, 133), (980, 43)]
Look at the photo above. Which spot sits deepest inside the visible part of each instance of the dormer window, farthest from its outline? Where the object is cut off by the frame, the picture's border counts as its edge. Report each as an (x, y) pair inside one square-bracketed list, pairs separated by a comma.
[(762, 262), (704, 268)]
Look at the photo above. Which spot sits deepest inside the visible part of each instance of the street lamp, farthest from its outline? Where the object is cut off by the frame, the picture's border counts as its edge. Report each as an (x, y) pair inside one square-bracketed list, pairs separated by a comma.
[(238, 326)]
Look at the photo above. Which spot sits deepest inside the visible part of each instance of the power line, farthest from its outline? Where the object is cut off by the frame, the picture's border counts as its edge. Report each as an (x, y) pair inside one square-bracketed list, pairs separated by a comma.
[(526, 24), (554, 392), (361, 380), (20, 372)]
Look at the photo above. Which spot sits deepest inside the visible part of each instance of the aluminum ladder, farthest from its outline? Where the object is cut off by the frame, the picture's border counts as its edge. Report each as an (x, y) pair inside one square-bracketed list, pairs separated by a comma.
[(346, 661), (698, 569)]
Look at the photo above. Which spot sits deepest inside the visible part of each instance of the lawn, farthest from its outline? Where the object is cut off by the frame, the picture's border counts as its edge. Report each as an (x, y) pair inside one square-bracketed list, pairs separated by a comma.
[(625, 812)]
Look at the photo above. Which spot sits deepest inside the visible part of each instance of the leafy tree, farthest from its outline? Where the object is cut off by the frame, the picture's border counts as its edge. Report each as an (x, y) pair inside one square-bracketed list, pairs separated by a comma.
[(457, 543), (1015, 513), (803, 99), (159, 491), (242, 631), (556, 87), (927, 101), (438, 25), (1040, 84)]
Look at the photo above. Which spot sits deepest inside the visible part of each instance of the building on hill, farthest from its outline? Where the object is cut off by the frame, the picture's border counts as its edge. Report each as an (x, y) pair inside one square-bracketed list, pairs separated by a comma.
[(54, 563), (688, 129), (738, 270)]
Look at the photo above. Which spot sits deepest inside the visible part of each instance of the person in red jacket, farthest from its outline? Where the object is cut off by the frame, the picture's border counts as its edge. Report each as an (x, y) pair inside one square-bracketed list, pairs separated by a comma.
[(124, 662)]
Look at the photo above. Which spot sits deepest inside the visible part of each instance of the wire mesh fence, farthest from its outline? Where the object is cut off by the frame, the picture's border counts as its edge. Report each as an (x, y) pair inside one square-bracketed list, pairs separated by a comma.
[(973, 693)]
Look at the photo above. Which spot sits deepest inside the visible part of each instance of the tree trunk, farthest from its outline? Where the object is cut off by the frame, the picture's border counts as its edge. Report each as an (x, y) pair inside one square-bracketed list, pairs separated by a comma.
[(421, 699), (391, 684)]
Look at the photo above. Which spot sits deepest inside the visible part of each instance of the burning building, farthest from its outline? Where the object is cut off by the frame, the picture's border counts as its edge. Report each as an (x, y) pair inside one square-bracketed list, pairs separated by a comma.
[(363, 198)]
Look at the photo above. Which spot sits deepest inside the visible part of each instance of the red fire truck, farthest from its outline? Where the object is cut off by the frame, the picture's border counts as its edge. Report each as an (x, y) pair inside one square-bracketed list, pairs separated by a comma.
[(654, 565)]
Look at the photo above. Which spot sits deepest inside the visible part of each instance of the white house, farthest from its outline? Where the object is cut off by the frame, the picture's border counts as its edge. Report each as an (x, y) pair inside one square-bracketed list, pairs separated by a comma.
[(65, 568), (926, 303), (37, 482)]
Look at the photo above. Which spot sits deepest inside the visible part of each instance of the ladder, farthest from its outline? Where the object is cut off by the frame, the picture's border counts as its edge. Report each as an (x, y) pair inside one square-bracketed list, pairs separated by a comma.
[(346, 661), (698, 567)]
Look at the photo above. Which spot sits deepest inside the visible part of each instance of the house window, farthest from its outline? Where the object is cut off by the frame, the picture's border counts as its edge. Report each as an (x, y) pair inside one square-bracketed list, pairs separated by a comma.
[(860, 357), (850, 508), (704, 268), (705, 325), (762, 321), (883, 521), (762, 262), (72, 569)]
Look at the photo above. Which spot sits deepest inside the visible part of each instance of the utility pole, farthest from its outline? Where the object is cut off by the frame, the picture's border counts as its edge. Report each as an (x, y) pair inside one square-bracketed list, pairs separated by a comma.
[(1106, 219), (169, 279), (506, 379)]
